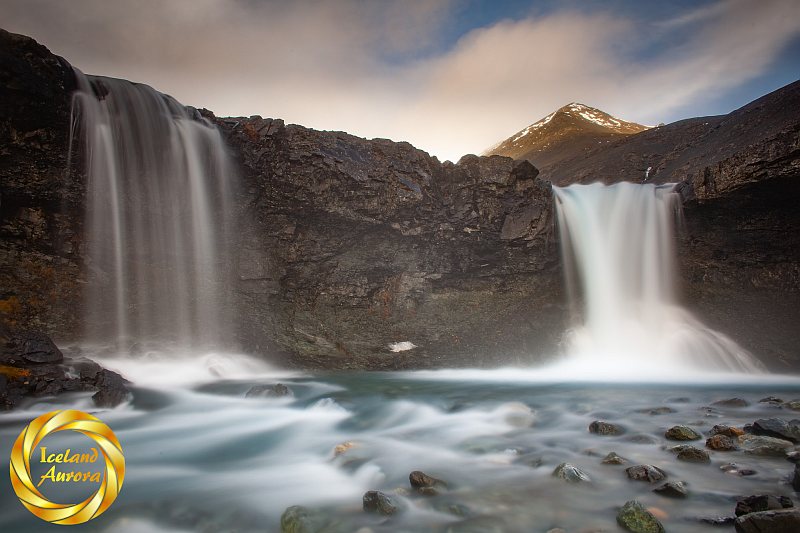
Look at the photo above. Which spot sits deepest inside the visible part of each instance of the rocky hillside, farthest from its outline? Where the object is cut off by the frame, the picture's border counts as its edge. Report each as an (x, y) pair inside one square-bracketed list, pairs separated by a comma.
[(565, 133), (717, 154), (350, 251)]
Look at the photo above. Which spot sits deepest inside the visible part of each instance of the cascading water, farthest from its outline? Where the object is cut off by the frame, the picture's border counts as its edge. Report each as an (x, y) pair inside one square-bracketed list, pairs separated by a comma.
[(157, 213), (618, 250)]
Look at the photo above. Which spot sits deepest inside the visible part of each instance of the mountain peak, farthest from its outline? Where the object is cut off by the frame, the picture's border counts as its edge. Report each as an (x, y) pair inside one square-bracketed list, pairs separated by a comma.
[(568, 130)]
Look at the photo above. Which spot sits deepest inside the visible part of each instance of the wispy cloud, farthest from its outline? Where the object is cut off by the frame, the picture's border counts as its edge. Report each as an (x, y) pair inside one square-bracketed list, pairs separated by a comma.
[(382, 69)]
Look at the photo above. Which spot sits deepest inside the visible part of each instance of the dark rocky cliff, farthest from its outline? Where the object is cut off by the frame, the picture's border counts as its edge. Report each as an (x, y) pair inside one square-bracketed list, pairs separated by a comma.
[(40, 201), (348, 245)]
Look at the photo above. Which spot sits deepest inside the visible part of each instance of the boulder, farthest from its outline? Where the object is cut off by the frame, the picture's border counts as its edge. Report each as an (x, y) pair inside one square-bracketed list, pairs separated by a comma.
[(691, 454), (682, 433), (732, 402), (761, 445), (635, 517), (37, 347), (613, 459), (728, 431), (762, 502), (425, 484), (377, 502), (112, 389), (647, 473), (673, 489), (778, 428), (278, 390), (571, 473), (787, 521), (299, 519), (598, 427), (722, 443)]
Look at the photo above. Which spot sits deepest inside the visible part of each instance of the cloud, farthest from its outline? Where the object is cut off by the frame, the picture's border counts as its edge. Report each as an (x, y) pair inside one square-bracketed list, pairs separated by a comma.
[(387, 69)]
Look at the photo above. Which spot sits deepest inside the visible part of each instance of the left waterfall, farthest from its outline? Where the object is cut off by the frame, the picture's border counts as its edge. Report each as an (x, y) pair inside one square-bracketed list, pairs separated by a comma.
[(159, 188)]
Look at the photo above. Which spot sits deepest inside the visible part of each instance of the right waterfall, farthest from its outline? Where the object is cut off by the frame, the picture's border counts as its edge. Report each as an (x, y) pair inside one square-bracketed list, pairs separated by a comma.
[(618, 248)]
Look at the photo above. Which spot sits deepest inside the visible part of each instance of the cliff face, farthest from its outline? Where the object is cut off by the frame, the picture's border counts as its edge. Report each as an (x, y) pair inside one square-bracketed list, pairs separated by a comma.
[(41, 203), (348, 246)]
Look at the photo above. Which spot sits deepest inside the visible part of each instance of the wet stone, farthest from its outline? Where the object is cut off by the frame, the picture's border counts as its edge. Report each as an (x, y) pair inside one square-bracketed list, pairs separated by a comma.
[(762, 445), (634, 517), (613, 459), (647, 473), (762, 502), (728, 431), (786, 521), (682, 433), (299, 519), (425, 484), (673, 489), (733, 468), (771, 399), (732, 402), (691, 454), (278, 390), (794, 405), (571, 473), (598, 427), (778, 428), (722, 443), (377, 502)]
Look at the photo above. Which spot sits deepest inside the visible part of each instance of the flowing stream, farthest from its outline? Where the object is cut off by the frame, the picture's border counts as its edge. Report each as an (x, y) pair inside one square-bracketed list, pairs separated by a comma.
[(202, 457)]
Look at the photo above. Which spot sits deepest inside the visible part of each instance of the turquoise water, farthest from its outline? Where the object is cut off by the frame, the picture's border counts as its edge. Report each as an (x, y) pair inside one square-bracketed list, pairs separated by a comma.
[(202, 457)]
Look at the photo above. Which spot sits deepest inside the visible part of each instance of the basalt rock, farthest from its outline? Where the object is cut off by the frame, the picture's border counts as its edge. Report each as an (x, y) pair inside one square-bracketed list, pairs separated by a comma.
[(762, 502), (635, 517), (647, 473), (778, 428), (720, 443), (377, 502), (682, 433), (277, 390), (52, 373), (786, 521), (599, 427)]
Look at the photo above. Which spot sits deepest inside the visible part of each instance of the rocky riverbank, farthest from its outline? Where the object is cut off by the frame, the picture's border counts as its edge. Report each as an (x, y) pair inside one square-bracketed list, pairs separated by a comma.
[(767, 448), (32, 366)]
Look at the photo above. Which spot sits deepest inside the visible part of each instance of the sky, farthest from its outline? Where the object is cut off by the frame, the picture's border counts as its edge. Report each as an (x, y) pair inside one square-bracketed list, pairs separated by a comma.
[(449, 76)]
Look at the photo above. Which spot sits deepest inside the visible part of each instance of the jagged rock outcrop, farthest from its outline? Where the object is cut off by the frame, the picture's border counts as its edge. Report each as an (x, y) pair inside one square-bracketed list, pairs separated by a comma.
[(349, 246)]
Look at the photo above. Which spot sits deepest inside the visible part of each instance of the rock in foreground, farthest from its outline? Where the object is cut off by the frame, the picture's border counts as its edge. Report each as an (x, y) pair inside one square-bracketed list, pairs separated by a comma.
[(769, 522), (635, 518)]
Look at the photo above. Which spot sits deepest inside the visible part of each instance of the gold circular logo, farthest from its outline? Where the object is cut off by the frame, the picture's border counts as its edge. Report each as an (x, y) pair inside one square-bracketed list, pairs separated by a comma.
[(112, 476)]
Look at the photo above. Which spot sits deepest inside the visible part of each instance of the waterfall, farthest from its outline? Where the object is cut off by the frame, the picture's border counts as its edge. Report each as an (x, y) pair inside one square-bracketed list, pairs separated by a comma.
[(620, 264), (158, 195)]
